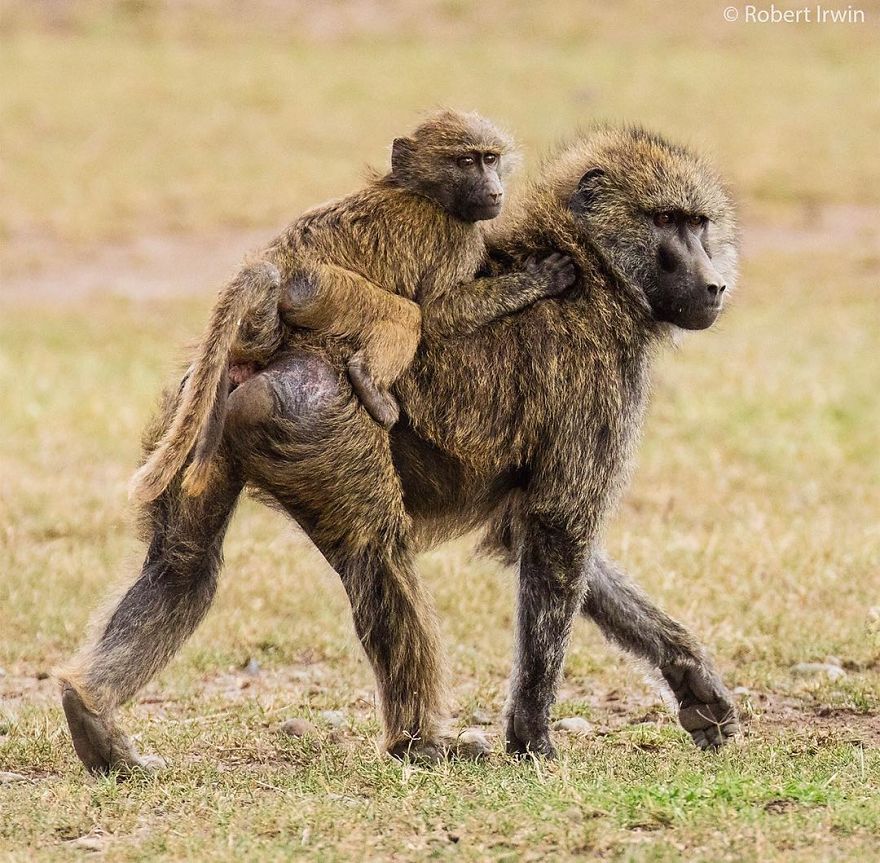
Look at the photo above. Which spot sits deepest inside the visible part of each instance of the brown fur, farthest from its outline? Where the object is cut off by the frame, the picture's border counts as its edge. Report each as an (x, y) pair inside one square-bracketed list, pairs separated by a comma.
[(364, 260), (524, 427)]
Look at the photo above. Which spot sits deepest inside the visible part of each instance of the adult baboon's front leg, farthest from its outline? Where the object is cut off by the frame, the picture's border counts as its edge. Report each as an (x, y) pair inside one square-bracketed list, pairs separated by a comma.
[(551, 583), (626, 616), (151, 621)]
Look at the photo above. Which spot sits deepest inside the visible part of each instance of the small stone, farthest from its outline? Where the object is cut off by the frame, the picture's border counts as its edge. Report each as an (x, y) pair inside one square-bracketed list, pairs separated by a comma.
[(573, 725), (297, 727), (481, 717), (742, 691), (91, 842), (334, 718), (813, 669), (251, 667), (2, 672), (6, 777), (42, 675)]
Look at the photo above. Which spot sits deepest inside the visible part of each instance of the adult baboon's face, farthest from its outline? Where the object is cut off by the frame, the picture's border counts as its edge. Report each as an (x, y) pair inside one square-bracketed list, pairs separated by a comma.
[(686, 290), (662, 221)]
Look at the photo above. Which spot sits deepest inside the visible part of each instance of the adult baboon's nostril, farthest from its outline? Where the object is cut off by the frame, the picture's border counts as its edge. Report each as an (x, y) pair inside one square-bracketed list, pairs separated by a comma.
[(715, 291)]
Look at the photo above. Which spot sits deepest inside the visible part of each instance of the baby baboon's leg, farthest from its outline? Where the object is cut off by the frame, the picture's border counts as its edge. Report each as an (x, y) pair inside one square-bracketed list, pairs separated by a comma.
[(151, 620), (389, 346), (626, 616), (551, 585), (330, 467), (387, 327)]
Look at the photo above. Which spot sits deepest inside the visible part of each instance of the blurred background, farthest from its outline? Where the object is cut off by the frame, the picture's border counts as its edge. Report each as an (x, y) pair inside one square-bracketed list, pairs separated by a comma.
[(146, 146)]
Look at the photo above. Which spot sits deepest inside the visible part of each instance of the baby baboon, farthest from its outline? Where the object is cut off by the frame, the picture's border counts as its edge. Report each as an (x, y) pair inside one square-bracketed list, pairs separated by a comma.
[(357, 268), (525, 426)]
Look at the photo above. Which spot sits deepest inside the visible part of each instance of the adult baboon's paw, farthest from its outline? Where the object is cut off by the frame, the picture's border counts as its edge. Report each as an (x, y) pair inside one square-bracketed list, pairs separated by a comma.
[(98, 743), (705, 709), (524, 738)]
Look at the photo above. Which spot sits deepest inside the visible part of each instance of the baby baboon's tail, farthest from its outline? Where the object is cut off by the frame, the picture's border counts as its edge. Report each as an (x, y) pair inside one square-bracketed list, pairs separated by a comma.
[(201, 399)]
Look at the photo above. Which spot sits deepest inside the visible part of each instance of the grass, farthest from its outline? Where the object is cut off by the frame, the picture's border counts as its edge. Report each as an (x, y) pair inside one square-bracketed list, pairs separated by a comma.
[(752, 515)]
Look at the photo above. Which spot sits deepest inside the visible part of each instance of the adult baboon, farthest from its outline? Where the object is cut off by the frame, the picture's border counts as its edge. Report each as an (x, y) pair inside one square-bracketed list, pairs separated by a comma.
[(525, 426), (358, 268)]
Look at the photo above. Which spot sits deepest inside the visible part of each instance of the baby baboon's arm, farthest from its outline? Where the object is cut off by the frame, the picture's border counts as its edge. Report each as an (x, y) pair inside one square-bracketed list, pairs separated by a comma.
[(470, 306)]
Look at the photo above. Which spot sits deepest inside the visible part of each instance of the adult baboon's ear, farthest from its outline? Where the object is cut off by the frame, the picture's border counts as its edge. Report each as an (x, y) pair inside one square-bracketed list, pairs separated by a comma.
[(586, 191), (401, 154)]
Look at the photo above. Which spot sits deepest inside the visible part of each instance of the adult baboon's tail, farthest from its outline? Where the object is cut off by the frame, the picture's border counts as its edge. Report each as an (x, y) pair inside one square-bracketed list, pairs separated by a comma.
[(201, 399)]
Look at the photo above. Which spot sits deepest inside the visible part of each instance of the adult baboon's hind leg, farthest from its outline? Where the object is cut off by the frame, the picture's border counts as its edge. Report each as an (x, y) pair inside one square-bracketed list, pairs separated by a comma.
[(626, 616), (329, 465), (150, 622)]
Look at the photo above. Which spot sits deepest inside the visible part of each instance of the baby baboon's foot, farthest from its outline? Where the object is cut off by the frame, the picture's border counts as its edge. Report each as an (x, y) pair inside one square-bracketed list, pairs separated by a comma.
[(705, 709), (296, 294), (100, 745), (469, 745), (380, 404), (528, 735)]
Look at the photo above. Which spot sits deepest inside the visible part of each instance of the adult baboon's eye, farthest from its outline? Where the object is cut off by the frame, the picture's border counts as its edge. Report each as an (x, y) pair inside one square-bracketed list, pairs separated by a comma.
[(661, 220), (465, 161), (490, 158)]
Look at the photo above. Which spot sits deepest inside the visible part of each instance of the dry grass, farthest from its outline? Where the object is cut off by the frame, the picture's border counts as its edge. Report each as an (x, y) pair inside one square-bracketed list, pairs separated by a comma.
[(752, 516)]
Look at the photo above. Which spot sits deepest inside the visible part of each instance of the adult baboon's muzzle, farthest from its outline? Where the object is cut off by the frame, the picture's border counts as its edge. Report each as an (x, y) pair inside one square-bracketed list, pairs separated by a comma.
[(691, 289)]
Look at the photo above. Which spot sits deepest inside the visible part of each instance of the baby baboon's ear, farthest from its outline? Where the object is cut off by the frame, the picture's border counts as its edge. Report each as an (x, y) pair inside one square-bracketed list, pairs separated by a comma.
[(402, 151), (586, 192)]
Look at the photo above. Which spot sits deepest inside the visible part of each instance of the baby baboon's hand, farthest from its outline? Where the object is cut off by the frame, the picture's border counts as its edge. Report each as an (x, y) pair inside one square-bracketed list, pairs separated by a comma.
[(557, 271)]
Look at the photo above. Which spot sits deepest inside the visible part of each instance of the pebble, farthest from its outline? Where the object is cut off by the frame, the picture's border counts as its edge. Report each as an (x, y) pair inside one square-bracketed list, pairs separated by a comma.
[(335, 718), (812, 669), (251, 667), (89, 843), (481, 717), (297, 727), (574, 725), (6, 777)]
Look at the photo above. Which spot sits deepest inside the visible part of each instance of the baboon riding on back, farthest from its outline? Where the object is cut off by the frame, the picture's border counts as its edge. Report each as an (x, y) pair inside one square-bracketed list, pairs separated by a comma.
[(524, 427)]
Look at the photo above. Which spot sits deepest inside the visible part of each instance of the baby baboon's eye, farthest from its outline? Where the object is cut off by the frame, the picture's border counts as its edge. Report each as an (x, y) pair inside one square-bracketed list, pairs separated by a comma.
[(696, 221), (662, 220), (465, 161)]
